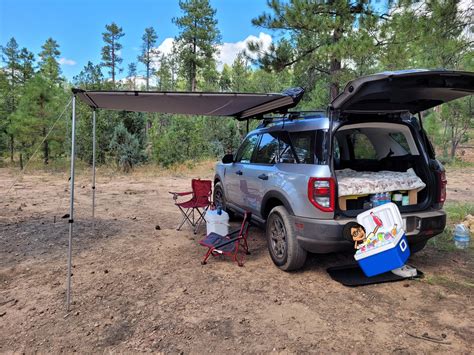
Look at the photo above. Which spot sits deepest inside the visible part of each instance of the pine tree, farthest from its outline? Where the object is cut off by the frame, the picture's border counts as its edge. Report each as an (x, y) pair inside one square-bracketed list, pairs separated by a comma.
[(323, 37), (111, 58), (48, 64), (240, 74), (165, 79), (11, 57), (225, 80), (36, 112), (132, 76), (198, 39), (4, 91), (149, 53), (90, 77), (26, 65)]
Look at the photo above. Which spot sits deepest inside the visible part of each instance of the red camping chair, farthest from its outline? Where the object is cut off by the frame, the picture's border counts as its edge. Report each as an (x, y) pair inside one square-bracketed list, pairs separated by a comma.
[(198, 204), (229, 244)]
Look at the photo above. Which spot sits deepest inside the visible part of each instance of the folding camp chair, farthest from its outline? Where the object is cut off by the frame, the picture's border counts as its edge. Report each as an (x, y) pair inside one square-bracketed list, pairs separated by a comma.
[(229, 244), (194, 209)]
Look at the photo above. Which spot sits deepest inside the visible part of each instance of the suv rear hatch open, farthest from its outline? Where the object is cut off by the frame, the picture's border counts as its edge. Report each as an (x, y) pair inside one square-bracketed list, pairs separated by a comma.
[(377, 110), (409, 90)]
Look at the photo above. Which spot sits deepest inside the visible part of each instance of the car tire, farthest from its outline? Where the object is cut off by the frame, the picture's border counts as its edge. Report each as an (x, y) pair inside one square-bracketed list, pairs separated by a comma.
[(283, 246), (219, 198), (416, 247)]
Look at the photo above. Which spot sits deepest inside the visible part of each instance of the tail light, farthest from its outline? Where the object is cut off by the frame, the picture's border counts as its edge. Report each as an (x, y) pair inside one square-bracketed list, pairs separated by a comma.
[(442, 182), (321, 192)]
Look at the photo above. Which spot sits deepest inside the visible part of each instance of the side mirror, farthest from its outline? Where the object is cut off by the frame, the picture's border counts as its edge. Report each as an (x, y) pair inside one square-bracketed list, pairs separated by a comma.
[(228, 158)]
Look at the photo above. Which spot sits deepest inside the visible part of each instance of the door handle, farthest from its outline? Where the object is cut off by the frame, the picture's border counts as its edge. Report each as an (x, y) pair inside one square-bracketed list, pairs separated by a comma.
[(239, 172), (263, 177)]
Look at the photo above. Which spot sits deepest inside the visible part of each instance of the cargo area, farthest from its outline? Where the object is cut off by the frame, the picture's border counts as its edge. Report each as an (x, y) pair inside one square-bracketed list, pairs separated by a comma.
[(379, 162)]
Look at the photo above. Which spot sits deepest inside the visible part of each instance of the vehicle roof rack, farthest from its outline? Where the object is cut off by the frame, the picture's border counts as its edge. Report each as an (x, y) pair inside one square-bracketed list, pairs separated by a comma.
[(291, 116)]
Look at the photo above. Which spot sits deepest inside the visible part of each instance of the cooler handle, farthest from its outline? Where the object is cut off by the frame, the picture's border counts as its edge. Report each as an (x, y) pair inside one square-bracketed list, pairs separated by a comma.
[(403, 245)]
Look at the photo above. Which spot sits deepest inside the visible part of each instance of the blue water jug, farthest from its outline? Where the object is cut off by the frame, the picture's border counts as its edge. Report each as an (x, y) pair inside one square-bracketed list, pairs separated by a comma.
[(461, 236)]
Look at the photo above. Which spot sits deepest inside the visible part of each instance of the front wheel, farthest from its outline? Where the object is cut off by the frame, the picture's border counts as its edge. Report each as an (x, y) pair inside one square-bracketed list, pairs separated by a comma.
[(219, 198), (283, 246)]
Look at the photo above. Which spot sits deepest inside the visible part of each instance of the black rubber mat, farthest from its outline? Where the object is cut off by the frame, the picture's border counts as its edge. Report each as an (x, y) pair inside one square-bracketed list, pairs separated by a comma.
[(353, 276)]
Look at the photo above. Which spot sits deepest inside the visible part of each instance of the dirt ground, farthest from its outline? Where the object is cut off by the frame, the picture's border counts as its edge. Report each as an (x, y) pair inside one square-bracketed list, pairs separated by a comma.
[(137, 288)]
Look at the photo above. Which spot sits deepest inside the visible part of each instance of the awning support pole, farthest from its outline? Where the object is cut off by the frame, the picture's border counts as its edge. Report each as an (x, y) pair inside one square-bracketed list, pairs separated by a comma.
[(71, 210), (93, 168)]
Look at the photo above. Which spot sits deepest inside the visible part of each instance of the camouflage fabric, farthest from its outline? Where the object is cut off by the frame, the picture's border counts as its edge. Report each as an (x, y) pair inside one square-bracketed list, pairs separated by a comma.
[(351, 182)]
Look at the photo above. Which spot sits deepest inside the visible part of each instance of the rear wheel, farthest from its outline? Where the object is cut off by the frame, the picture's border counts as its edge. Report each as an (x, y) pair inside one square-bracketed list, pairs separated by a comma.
[(219, 199), (283, 246)]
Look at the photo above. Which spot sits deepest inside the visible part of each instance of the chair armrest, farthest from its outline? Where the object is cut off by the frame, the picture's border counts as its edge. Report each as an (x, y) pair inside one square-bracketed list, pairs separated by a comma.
[(176, 194), (180, 193)]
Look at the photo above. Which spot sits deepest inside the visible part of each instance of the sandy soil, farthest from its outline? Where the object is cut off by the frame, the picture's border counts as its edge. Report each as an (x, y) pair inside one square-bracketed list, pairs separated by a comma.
[(137, 288)]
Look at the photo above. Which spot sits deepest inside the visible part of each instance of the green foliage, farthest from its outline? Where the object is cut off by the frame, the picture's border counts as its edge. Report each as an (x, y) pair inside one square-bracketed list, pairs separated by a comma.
[(197, 41), (110, 52), (322, 36), (25, 65), (183, 139), (149, 52), (90, 77), (125, 148), (49, 65), (38, 109), (318, 45)]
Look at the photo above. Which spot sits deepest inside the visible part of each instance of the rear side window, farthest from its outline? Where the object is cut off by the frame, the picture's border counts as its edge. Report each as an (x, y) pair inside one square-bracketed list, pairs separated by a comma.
[(267, 151), (400, 138), (297, 147), (362, 147), (302, 142), (244, 154)]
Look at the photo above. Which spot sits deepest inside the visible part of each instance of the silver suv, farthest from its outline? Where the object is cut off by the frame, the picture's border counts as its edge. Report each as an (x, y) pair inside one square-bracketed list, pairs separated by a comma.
[(285, 171)]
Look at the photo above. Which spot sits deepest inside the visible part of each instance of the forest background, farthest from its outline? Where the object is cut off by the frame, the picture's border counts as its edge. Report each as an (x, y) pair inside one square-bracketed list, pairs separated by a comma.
[(319, 45)]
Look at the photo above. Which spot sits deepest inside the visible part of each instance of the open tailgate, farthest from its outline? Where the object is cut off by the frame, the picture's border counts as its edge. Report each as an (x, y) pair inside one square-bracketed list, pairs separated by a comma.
[(409, 90)]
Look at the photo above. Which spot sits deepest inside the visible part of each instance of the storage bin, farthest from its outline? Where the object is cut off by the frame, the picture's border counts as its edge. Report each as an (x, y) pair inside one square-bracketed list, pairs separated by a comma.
[(385, 257), (217, 223)]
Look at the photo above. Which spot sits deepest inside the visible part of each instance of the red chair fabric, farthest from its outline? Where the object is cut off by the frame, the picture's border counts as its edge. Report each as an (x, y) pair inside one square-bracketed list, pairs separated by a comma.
[(229, 244), (193, 210)]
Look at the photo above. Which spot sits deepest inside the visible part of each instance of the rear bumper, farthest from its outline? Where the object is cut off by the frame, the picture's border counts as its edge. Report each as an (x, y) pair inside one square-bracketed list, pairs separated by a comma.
[(325, 236)]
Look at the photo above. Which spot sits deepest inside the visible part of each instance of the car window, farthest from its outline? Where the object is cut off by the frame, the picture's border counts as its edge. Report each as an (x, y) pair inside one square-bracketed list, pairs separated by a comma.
[(400, 138), (362, 147), (267, 151), (244, 154), (285, 152), (302, 144)]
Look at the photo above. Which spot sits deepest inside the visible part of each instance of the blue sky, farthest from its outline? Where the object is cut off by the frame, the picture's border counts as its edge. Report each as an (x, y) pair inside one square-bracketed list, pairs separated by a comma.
[(78, 25)]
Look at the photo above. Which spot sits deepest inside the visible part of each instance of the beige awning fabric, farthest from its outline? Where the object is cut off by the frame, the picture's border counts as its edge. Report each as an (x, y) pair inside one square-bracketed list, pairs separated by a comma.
[(239, 105)]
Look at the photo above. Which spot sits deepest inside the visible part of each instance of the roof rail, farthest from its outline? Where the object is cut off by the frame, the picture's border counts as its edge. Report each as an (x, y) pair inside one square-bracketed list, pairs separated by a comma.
[(291, 116)]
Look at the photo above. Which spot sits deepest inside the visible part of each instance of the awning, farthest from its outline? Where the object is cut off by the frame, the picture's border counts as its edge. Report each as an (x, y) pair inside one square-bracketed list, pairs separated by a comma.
[(239, 105)]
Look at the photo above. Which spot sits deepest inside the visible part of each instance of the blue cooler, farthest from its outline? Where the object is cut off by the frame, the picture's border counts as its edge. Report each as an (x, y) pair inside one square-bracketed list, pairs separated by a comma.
[(385, 257)]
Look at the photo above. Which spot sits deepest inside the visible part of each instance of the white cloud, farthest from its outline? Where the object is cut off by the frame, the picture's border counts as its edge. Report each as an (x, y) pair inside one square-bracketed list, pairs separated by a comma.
[(227, 51), (65, 61), (166, 46)]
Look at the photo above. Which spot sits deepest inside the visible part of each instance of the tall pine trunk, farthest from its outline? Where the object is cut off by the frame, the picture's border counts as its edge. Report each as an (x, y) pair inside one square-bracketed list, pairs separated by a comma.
[(113, 62), (12, 147), (45, 148), (335, 67), (44, 132), (193, 63), (147, 67)]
